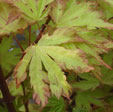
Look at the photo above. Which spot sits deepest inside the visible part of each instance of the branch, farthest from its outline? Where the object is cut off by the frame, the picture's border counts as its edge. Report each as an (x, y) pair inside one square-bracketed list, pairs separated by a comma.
[(9, 74), (18, 43), (29, 36), (6, 94), (43, 28), (110, 18)]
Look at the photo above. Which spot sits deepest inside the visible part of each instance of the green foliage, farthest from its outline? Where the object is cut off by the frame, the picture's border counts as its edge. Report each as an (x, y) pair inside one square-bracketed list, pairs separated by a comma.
[(82, 16), (10, 20), (88, 82), (33, 10), (55, 105), (66, 58), (84, 99), (8, 59)]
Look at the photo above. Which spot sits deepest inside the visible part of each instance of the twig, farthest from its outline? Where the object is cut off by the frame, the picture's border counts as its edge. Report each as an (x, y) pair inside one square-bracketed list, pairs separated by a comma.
[(43, 28), (25, 102), (9, 74), (18, 43), (29, 36), (6, 94), (110, 18)]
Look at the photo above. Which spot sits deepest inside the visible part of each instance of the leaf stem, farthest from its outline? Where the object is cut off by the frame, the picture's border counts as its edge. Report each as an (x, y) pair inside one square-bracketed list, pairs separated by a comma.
[(18, 44), (43, 28), (25, 102), (29, 36), (6, 94)]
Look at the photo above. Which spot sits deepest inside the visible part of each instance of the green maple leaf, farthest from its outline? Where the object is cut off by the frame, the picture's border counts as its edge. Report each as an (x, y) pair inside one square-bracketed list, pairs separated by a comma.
[(22, 66), (33, 10), (92, 44), (10, 20), (55, 105), (77, 14), (8, 59), (53, 58), (88, 82), (85, 99)]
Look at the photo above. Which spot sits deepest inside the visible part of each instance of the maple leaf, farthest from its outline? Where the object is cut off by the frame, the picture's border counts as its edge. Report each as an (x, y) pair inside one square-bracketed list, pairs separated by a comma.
[(52, 57), (20, 69), (33, 10), (8, 59), (10, 20), (55, 105), (85, 99), (39, 85), (91, 40), (77, 14), (88, 82)]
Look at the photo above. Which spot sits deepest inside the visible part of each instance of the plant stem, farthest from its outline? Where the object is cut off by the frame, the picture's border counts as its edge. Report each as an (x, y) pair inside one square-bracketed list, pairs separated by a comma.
[(43, 28), (6, 94), (25, 102), (29, 36), (18, 43)]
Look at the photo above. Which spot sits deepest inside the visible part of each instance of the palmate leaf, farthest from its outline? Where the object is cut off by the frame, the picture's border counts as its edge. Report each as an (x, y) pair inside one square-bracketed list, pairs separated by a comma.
[(85, 99), (33, 10), (58, 84), (20, 69), (77, 14), (36, 73), (55, 105), (51, 56), (8, 59), (87, 82), (93, 44), (10, 20)]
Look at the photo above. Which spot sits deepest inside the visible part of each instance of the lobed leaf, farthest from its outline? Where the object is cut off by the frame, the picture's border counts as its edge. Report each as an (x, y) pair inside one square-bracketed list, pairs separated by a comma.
[(85, 99), (20, 69), (37, 78), (78, 14), (87, 82), (10, 20), (33, 10)]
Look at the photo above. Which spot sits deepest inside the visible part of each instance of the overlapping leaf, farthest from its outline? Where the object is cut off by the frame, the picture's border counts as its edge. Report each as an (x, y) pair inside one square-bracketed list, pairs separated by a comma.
[(33, 10), (77, 14), (52, 57), (20, 69), (87, 82), (55, 105), (41, 89), (94, 41), (10, 20), (73, 49), (85, 99)]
